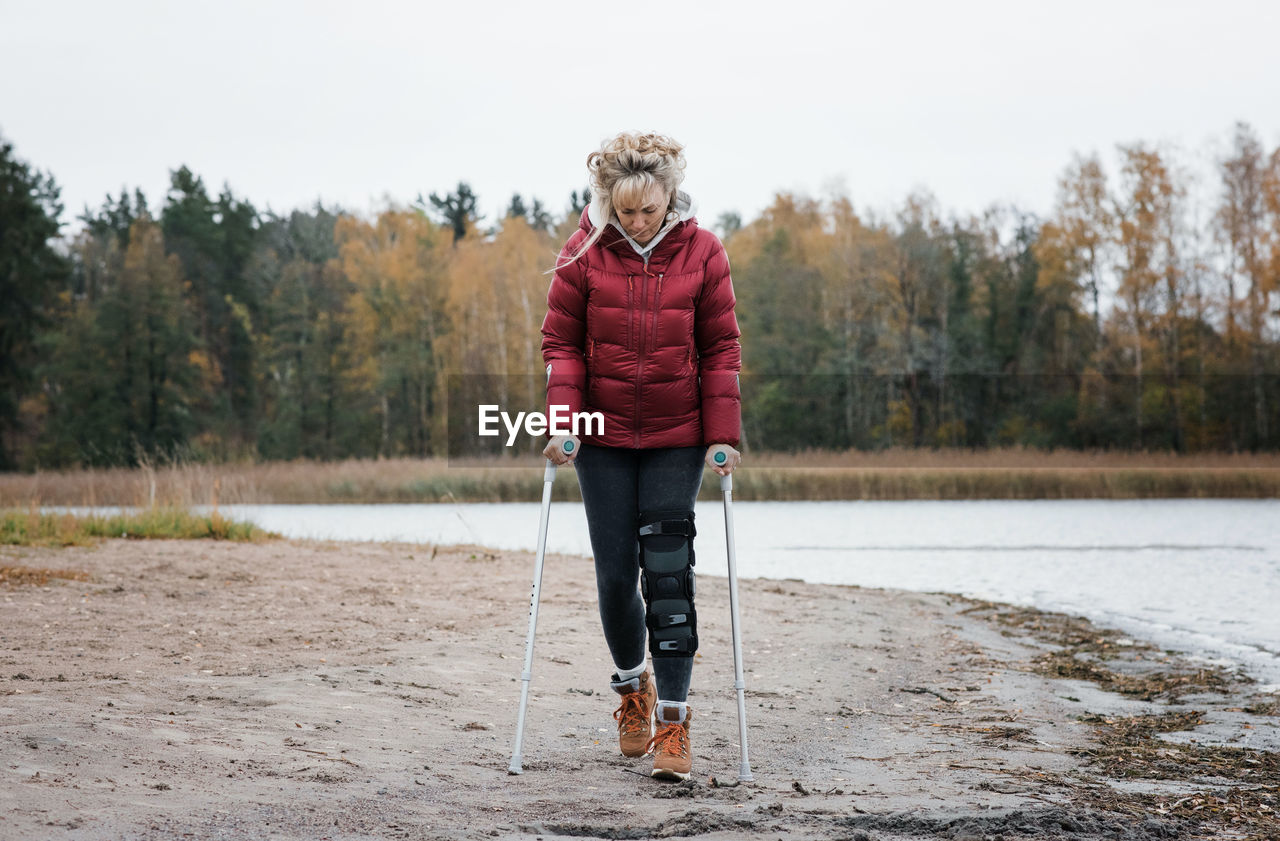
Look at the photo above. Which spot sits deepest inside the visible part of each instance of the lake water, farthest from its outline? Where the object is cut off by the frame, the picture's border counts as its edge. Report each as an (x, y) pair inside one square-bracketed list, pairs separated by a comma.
[(1201, 576)]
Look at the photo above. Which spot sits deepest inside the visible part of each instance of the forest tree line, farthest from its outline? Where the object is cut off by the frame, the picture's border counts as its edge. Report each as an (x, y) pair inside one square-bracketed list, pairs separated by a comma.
[(1143, 313)]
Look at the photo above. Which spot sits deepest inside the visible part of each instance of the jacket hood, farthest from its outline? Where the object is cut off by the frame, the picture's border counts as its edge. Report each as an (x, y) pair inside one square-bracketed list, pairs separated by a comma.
[(593, 216)]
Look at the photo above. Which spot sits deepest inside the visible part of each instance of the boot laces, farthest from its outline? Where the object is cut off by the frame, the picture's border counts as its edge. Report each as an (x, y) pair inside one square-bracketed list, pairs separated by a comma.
[(630, 713), (671, 739)]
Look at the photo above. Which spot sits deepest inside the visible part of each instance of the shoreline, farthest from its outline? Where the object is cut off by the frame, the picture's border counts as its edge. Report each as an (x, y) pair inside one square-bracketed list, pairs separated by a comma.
[(319, 689), (890, 475), (1145, 567)]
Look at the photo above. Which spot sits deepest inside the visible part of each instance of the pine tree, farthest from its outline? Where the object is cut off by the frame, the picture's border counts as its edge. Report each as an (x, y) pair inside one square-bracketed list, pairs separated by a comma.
[(122, 372), (301, 346), (457, 210), (213, 240), (31, 271)]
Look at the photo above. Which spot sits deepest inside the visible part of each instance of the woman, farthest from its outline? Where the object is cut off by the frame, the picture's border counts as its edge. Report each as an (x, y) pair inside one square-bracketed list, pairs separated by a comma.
[(640, 327)]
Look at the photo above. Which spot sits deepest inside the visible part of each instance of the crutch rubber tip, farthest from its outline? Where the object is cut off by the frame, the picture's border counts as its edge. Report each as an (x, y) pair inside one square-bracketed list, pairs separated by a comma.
[(515, 770)]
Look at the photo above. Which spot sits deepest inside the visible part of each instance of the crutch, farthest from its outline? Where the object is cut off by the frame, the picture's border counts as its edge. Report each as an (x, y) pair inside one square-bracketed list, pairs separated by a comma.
[(548, 478), (726, 486)]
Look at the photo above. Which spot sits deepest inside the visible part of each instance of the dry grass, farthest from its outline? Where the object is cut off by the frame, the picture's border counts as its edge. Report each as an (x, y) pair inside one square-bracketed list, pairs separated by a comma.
[(1006, 483), (1015, 458), (20, 576), (890, 474), (33, 528)]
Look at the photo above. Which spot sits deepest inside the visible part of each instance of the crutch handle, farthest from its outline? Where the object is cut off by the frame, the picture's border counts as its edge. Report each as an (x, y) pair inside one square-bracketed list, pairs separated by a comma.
[(726, 481)]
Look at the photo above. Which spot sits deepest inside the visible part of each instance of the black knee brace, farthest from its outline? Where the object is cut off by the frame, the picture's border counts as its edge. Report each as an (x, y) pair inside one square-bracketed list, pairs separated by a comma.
[(667, 582)]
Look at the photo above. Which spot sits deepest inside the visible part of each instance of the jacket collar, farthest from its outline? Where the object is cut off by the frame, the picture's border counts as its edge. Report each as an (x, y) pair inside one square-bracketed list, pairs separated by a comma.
[(685, 208), (667, 241)]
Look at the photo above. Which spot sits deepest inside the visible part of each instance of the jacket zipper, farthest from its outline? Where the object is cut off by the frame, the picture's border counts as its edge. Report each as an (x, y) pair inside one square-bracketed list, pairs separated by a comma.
[(630, 300), (644, 290), (657, 308)]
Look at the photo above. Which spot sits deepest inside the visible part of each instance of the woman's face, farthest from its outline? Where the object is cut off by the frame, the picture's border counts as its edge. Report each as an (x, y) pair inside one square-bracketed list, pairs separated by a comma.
[(642, 218)]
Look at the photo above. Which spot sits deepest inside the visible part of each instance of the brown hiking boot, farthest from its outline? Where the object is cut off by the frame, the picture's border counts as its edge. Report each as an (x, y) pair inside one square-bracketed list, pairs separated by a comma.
[(670, 745), (635, 714)]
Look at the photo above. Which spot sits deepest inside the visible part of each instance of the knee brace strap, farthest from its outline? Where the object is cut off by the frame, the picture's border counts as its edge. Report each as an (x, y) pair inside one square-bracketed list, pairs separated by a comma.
[(667, 582)]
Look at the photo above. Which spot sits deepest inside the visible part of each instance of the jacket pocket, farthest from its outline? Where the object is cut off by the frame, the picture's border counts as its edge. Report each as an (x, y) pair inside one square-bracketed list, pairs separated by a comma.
[(691, 373)]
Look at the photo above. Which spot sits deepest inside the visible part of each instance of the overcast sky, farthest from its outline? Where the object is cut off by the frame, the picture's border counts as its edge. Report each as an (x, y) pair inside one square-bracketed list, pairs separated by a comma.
[(359, 103)]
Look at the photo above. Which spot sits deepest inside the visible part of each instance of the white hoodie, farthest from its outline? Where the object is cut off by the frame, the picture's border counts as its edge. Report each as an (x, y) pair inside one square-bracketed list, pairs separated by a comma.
[(685, 209)]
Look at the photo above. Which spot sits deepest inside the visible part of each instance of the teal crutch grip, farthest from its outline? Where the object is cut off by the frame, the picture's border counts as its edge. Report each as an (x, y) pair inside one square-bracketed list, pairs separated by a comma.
[(720, 457), (567, 446)]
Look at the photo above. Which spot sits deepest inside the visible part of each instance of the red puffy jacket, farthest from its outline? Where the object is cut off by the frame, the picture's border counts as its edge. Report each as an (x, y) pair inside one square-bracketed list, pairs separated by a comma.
[(653, 348)]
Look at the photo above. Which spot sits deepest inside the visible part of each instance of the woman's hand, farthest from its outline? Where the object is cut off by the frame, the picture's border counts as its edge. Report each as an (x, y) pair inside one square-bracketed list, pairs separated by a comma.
[(732, 458), (555, 449)]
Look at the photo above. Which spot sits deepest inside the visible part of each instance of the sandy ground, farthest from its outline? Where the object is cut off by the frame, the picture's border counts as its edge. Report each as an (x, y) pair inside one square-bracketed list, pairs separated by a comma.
[(337, 691)]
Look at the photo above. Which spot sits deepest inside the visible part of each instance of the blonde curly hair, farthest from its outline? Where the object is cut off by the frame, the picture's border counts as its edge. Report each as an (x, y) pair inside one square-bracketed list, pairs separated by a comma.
[(624, 169)]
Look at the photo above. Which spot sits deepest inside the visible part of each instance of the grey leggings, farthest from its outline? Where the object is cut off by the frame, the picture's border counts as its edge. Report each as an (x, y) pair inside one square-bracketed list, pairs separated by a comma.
[(617, 484)]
